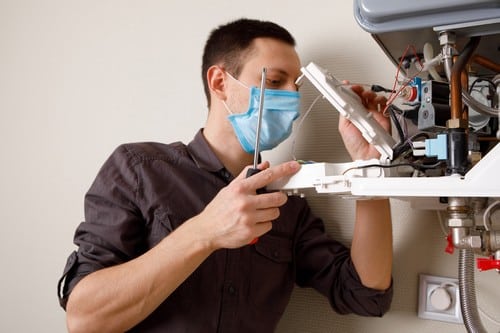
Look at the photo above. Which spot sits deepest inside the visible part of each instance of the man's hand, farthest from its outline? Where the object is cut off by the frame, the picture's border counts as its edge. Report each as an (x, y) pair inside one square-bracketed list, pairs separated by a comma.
[(237, 214), (357, 147)]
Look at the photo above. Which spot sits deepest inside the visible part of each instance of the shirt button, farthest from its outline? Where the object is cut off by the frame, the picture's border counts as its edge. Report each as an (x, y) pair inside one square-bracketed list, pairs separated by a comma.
[(231, 290), (226, 175)]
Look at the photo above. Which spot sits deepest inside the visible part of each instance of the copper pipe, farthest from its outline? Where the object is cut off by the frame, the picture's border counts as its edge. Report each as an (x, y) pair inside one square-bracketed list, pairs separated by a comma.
[(456, 73), (488, 139), (464, 80), (486, 63)]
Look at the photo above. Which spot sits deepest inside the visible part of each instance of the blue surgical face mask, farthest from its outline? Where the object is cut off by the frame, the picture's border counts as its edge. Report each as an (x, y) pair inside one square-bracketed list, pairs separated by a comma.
[(281, 108)]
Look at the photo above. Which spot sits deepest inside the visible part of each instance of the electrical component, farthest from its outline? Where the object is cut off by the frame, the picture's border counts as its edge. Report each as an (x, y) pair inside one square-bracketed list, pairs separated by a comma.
[(400, 176), (434, 106), (409, 93), (437, 147)]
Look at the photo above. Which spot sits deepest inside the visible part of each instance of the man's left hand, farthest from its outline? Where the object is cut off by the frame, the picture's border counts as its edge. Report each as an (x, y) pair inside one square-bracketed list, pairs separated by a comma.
[(357, 147)]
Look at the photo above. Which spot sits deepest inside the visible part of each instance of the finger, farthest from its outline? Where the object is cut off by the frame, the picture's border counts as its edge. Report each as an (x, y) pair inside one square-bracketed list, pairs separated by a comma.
[(368, 97), (382, 120), (261, 228), (262, 166), (344, 124), (379, 103), (358, 89), (266, 215), (270, 200), (368, 94), (382, 100), (271, 174)]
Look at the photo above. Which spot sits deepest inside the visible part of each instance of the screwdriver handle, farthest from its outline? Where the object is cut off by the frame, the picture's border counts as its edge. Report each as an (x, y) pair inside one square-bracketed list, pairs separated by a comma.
[(251, 172), (254, 171)]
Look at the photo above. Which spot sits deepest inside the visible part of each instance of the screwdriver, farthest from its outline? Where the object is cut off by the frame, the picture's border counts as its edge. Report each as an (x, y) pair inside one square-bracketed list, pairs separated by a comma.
[(254, 170)]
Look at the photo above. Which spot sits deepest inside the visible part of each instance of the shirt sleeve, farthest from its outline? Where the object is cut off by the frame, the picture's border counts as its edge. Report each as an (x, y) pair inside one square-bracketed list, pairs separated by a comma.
[(111, 233), (325, 265)]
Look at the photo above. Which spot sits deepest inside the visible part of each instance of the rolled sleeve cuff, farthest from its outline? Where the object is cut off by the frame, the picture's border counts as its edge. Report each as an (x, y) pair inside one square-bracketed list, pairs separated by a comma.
[(361, 300)]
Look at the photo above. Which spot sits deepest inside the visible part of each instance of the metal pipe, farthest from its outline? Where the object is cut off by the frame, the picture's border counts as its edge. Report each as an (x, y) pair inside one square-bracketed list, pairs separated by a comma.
[(472, 103), (486, 63), (478, 106), (447, 49), (447, 40), (494, 243), (468, 302), (456, 73), (462, 239)]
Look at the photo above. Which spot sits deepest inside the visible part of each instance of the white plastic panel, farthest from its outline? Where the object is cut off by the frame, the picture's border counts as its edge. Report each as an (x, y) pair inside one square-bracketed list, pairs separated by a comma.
[(350, 106), (343, 178)]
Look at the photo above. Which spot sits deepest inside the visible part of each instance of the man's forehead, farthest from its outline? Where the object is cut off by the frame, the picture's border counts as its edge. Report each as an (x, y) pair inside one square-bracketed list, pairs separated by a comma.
[(278, 57)]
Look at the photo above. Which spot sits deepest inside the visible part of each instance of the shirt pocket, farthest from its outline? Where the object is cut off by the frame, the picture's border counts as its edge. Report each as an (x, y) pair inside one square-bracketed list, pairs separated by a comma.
[(272, 273), (163, 223)]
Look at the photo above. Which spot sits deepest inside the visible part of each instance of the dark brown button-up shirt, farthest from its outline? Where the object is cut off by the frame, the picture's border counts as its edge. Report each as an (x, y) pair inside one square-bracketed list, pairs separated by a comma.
[(146, 190)]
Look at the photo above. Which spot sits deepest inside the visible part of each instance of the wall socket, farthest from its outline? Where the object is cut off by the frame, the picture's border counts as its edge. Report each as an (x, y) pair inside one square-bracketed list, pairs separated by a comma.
[(439, 299)]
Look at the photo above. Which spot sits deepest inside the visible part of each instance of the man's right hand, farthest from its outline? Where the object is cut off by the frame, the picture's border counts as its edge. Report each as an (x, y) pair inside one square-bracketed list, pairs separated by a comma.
[(237, 214)]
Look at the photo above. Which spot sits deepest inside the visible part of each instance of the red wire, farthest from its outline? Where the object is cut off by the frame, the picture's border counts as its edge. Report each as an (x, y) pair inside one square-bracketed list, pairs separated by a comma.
[(393, 95)]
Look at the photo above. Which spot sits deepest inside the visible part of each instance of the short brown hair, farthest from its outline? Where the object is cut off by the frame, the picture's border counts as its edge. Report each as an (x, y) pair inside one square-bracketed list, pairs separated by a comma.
[(229, 44)]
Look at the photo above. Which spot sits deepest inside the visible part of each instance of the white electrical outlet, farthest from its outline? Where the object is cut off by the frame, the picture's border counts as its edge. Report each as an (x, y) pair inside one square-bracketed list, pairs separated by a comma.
[(439, 299)]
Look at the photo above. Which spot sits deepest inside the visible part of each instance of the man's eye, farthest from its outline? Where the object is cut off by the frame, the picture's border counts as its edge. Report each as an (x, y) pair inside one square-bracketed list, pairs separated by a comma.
[(273, 82)]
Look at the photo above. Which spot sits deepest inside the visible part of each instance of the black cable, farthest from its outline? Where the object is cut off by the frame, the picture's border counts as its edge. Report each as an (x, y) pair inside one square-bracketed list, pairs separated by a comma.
[(397, 124), (479, 79), (418, 135), (401, 147), (378, 88), (416, 166)]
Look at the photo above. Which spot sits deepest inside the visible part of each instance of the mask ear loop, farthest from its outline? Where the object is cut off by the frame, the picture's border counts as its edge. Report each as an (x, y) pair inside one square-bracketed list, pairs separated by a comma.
[(241, 84), (235, 79), (299, 125)]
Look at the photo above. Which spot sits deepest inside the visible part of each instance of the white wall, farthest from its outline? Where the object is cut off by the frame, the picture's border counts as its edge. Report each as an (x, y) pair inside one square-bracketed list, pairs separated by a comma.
[(77, 78)]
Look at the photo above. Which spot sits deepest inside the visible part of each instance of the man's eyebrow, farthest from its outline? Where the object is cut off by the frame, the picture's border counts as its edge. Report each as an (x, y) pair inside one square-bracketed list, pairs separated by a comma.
[(283, 72), (278, 70)]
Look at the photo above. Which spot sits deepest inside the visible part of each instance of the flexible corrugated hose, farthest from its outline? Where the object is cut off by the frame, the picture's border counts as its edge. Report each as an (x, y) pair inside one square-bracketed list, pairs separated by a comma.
[(467, 288)]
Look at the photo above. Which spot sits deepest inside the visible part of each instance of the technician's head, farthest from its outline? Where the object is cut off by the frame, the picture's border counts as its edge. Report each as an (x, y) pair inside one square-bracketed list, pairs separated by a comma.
[(233, 46)]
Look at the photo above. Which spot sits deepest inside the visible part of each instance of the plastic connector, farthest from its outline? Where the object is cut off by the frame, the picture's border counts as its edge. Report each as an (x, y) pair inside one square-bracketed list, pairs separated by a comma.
[(437, 147), (418, 148)]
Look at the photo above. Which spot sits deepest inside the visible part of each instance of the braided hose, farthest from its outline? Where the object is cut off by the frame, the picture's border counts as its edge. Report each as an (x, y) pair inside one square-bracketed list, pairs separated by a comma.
[(468, 301)]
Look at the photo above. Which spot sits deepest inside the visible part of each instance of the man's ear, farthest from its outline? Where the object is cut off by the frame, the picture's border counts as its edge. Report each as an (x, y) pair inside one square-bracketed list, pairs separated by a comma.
[(216, 80)]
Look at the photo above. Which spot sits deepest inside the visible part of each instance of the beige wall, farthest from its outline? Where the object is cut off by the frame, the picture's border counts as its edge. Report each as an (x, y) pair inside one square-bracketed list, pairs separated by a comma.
[(77, 78)]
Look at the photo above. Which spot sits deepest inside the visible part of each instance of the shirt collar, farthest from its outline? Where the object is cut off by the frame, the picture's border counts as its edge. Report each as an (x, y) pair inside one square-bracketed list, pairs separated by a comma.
[(203, 155)]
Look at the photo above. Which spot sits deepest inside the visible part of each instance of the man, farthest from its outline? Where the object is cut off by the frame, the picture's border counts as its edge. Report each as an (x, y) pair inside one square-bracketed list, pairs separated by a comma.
[(169, 239)]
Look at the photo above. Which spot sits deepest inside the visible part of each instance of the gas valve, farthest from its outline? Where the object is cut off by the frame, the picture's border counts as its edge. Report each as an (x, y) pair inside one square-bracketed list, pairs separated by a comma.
[(484, 264)]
